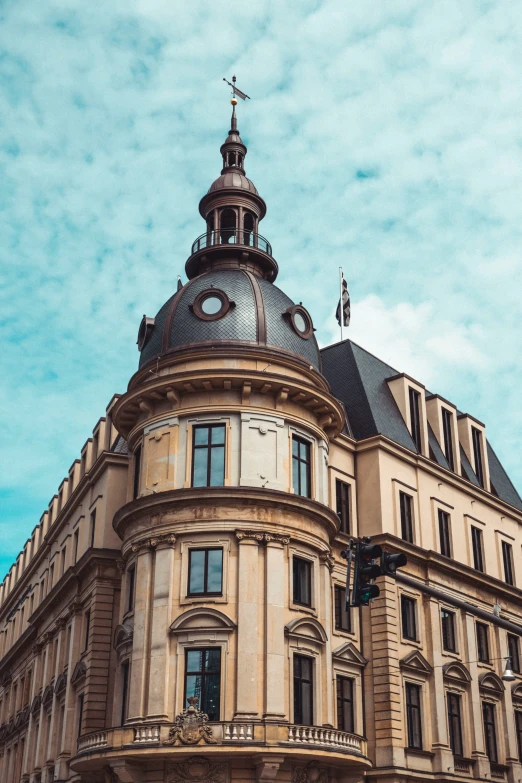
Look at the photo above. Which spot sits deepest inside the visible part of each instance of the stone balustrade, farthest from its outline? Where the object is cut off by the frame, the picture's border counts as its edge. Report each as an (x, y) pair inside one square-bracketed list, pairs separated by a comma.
[(463, 766), (316, 735), (145, 734), (97, 739), (238, 732)]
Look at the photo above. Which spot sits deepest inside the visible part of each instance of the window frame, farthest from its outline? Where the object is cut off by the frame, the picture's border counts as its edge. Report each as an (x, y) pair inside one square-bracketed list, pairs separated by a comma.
[(341, 699), (512, 639), (415, 417), (86, 630), (476, 439), (340, 611), (413, 715), (131, 586), (455, 715), (125, 672), (490, 739), (507, 561), (342, 505), (208, 446), (298, 694), (477, 548), (204, 674), (136, 472), (444, 521), (409, 617), (451, 616), (447, 435), (205, 592), (307, 445), (482, 633), (407, 518), (300, 562), (518, 731)]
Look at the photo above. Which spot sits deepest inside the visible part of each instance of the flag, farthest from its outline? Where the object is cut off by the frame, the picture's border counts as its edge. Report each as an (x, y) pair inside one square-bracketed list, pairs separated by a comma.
[(345, 305)]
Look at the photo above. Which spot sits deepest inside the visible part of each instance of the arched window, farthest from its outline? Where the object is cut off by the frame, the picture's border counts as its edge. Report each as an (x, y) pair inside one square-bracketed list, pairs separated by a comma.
[(240, 161), (248, 228), (210, 229), (228, 226), (231, 158)]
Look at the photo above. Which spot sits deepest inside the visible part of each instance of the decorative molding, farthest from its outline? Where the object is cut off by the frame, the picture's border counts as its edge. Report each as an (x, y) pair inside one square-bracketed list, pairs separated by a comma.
[(61, 683), (308, 629), (197, 769), (122, 635), (457, 672), (262, 537), (348, 653), (191, 726), (328, 560), (153, 542), (416, 662), (310, 773), (490, 683), (79, 672), (202, 619)]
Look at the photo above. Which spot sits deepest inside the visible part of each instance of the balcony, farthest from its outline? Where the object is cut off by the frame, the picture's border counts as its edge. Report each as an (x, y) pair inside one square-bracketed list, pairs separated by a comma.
[(230, 236), (226, 247)]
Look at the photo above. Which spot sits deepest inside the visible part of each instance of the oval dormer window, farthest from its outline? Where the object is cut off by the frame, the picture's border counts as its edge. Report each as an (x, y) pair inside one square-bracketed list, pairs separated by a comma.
[(211, 304), (300, 321)]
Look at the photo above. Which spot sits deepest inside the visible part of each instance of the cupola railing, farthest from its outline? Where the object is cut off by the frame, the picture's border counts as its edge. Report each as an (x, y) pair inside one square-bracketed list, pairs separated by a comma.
[(232, 236)]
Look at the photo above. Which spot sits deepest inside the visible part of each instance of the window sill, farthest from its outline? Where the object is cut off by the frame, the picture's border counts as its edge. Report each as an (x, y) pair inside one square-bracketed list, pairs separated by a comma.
[(204, 599), (420, 752), (343, 632), (303, 608)]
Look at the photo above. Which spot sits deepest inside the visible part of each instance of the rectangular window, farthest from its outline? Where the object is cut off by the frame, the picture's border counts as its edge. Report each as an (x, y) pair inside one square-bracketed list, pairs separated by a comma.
[(342, 501), (124, 690), (455, 724), (476, 542), (482, 642), (87, 629), (406, 506), (205, 571), (51, 577), (415, 426), (93, 528), (490, 733), (343, 619), (303, 691), (477, 454), (447, 432), (449, 641), (444, 533), (137, 471), (507, 558), (75, 545), (208, 456), (518, 727), (345, 712), (302, 581), (409, 625), (413, 715), (80, 714), (203, 679), (301, 466), (131, 579), (514, 652), (64, 554)]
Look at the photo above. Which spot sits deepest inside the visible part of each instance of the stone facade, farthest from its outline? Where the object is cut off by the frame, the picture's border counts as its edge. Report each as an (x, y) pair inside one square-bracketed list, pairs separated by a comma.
[(138, 569)]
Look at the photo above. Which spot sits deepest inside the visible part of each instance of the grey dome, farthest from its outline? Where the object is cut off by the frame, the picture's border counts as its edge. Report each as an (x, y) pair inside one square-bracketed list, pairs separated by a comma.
[(257, 317), (233, 179)]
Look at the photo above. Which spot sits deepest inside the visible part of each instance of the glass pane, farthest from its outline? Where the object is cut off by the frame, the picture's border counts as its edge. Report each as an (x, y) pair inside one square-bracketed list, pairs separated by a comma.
[(306, 668), (300, 323), (201, 436), (213, 659), (304, 480), (306, 690), (200, 468), (197, 572), (217, 466), (295, 475), (211, 705), (295, 447), (304, 592), (194, 684), (194, 661), (211, 305), (347, 717), (215, 569), (218, 435)]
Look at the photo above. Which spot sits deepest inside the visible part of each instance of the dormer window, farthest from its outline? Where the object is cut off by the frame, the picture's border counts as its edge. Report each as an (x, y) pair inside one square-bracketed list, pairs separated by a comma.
[(447, 431), (477, 454), (415, 426)]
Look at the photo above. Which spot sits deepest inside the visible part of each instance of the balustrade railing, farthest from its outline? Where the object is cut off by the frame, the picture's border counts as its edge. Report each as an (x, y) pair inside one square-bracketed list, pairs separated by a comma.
[(238, 732), (316, 735), (463, 766), (232, 236), (98, 739), (144, 734)]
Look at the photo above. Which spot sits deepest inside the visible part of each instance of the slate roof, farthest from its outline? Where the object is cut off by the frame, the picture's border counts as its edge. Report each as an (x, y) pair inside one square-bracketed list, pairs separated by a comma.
[(358, 380)]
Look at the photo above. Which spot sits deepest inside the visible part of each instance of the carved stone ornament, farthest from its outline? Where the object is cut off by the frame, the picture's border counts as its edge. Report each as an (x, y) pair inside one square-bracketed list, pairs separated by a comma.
[(327, 559), (310, 773), (261, 537), (191, 726), (197, 769), (151, 542)]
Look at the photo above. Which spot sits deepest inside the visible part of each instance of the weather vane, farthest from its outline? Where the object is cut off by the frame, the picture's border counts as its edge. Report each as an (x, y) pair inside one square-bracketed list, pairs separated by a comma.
[(236, 91)]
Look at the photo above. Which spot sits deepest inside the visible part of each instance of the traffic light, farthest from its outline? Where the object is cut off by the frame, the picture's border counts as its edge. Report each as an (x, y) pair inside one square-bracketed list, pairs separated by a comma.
[(391, 561), (365, 571)]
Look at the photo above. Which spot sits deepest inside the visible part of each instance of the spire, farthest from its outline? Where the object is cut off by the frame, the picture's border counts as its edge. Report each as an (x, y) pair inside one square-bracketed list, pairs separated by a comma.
[(233, 150)]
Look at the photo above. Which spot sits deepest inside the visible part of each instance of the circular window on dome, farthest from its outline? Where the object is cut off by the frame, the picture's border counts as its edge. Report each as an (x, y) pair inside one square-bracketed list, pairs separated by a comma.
[(300, 321), (211, 304)]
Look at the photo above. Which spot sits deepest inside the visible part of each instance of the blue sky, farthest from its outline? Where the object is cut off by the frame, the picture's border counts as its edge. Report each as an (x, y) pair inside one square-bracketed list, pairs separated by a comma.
[(385, 137)]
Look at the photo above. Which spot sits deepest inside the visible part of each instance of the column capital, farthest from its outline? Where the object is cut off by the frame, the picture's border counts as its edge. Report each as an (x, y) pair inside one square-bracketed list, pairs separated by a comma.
[(260, 537), (154, 542)]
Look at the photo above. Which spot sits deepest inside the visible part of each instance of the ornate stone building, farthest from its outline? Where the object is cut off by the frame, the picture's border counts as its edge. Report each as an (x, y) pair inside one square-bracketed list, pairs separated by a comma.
[(177, 614)]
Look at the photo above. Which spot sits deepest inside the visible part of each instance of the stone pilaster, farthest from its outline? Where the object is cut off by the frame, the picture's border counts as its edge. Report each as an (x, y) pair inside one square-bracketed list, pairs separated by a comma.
[(139, 680), (274, 634), (162, 586), (247, 626), (478, 752), (439, 728)]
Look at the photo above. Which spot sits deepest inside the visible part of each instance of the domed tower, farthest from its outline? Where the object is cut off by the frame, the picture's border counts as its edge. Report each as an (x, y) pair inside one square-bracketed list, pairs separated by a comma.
[(226, 646)]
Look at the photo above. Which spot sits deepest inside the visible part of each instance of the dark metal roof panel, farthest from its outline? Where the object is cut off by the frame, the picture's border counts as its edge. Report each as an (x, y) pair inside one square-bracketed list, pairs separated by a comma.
[(501, 481)]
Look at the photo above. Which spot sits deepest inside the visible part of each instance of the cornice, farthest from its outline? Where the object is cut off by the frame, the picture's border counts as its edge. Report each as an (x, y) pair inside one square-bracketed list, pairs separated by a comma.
[(430, 467), (188, 498)]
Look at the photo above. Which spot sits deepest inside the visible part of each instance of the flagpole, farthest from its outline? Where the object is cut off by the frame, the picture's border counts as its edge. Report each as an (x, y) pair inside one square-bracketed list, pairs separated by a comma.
[(341, 303)]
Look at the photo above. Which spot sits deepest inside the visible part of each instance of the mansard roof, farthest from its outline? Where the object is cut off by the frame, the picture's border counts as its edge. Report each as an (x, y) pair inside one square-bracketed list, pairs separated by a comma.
[(359, 380)]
